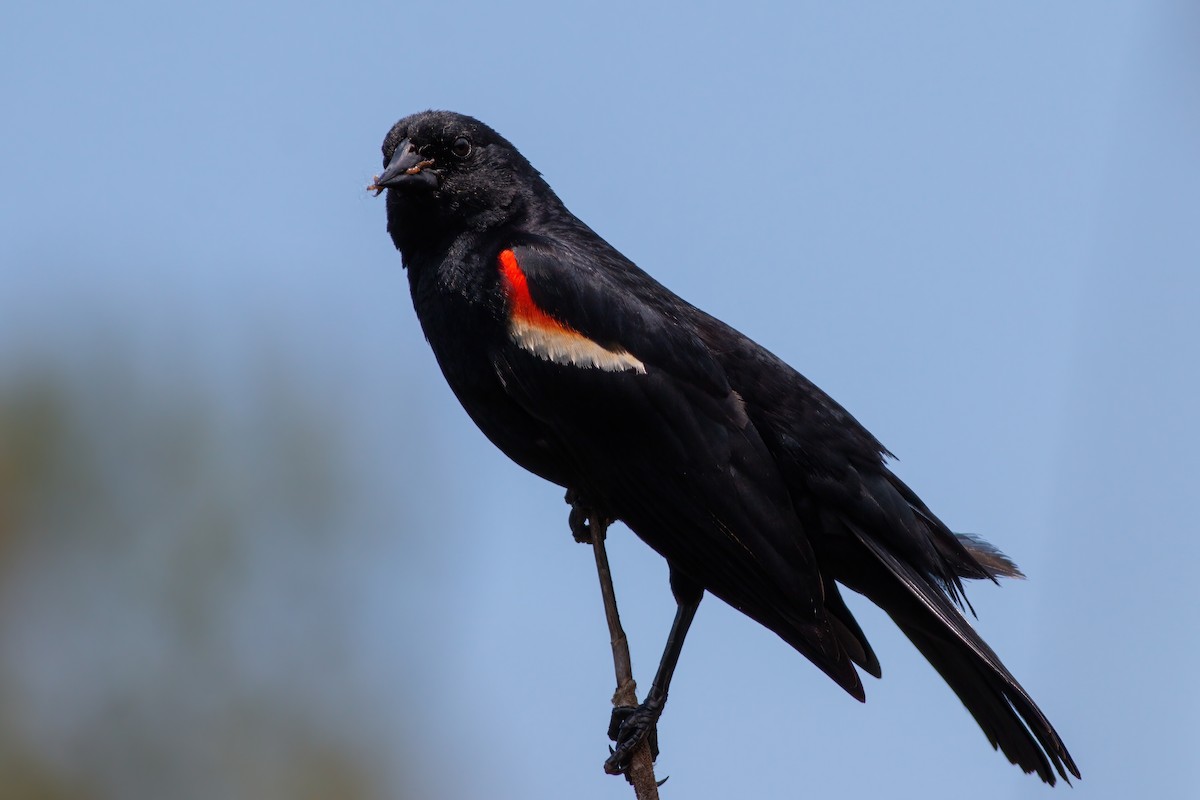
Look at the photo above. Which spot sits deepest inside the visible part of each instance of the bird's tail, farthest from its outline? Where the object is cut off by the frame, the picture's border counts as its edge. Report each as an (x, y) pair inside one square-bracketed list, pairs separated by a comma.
[(1007, 714)]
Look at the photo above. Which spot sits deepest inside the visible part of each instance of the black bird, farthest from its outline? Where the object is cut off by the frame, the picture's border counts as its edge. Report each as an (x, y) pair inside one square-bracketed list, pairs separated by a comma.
[(753, 483)]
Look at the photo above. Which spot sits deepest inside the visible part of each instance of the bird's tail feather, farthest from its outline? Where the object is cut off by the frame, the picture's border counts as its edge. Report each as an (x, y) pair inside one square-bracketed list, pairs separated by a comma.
[(989, 557), (846, 628), (1004, 710)]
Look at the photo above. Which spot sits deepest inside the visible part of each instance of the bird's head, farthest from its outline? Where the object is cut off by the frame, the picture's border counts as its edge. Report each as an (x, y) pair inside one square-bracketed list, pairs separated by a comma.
[(448, 173)]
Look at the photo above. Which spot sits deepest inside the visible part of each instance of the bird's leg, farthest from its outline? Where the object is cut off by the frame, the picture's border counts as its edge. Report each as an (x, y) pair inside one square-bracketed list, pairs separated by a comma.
[(631, 725), (581, 513)]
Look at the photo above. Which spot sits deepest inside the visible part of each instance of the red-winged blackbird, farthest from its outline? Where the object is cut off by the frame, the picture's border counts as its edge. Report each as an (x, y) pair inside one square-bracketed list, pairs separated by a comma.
[(752, 483)]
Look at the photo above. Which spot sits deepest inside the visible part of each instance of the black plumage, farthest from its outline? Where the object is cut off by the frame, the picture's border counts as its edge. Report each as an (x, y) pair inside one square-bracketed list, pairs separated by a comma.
[(753, 483)]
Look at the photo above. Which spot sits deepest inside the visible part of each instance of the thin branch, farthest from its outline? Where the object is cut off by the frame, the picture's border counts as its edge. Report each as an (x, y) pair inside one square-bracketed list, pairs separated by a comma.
[(641, 765)]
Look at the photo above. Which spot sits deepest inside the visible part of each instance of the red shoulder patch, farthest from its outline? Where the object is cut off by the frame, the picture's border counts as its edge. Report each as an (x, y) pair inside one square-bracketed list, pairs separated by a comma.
[(537, 332), (521, 305)]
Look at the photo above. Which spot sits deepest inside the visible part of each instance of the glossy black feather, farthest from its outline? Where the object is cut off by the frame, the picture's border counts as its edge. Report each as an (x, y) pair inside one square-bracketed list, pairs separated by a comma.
[(752, 482), (704, 491)]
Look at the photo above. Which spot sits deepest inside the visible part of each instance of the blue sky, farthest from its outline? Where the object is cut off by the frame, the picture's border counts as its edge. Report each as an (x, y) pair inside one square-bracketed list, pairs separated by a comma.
[(975, 226)]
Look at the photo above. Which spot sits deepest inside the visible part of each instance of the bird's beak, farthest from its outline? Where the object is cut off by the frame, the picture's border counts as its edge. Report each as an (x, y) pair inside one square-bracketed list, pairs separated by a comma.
[(407, 167)]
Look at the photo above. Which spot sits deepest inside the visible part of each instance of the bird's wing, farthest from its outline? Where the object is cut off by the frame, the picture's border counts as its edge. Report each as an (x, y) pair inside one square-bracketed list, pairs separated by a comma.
[(606, 359), (830, 460)]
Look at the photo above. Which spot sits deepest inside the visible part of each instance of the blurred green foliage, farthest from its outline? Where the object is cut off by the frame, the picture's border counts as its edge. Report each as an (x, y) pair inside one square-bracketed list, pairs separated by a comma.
[(168, 623)]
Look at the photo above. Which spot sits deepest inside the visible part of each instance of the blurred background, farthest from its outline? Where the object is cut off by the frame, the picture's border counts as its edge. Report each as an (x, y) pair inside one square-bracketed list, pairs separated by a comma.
[(250, 546)]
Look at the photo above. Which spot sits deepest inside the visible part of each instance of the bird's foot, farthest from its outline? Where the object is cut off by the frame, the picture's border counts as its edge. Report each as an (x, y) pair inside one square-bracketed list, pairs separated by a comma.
[(580, 518), (629, 726)]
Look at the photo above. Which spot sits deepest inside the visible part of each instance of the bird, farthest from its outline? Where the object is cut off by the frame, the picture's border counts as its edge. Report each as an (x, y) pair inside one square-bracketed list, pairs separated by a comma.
[(754, 484)]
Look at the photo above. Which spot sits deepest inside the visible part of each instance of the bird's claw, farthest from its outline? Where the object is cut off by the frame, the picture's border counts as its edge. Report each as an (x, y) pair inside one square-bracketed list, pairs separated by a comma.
[(581, 529), (629, 726), (580, 518)]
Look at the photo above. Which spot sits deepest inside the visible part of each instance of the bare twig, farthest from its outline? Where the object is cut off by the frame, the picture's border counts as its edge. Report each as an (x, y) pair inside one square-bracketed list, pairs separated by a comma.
[(641, 765)]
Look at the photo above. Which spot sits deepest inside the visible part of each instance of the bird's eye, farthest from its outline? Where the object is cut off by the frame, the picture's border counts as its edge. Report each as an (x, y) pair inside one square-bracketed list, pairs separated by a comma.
[(461, 147)]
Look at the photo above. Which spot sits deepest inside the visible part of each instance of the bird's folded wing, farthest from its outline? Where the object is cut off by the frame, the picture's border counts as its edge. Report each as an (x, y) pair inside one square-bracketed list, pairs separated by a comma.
[(605, 359)]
